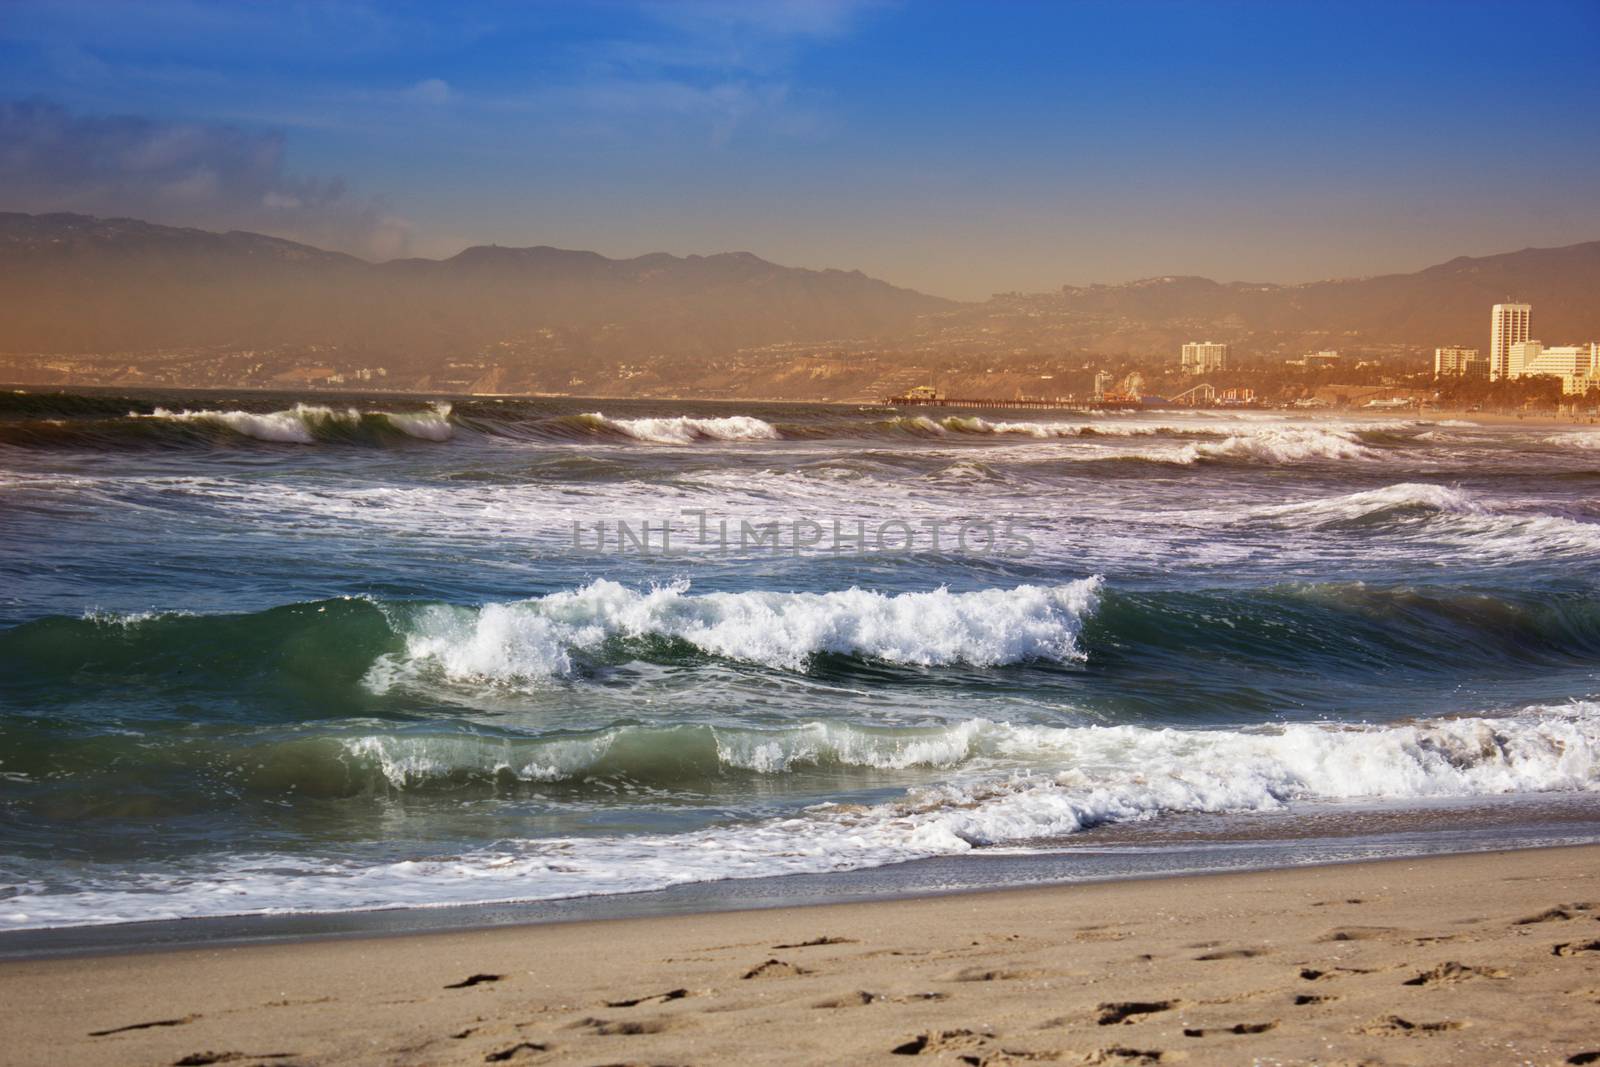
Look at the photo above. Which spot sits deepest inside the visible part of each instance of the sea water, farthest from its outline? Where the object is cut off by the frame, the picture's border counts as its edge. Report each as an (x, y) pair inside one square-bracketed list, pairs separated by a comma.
[(282, 654)]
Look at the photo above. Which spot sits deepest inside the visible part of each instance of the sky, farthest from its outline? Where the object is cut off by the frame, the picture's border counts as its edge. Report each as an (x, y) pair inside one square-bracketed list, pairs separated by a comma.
[(958, 148)]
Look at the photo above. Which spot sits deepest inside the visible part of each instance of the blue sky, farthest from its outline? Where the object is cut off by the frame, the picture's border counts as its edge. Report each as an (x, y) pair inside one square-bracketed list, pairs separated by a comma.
[(960, 148)]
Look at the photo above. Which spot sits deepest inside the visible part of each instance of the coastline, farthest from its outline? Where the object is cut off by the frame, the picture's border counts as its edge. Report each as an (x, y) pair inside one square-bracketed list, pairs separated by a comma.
[(1312, 834), (1486, 418), (1474, 958)]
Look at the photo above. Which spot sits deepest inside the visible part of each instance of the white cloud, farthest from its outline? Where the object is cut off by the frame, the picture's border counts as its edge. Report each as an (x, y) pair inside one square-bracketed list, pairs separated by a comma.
[(431, 91), (188, 173), (709, 69)]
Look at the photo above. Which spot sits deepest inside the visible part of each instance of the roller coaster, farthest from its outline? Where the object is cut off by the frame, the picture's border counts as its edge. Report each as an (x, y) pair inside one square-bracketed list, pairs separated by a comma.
[(1204, 393)]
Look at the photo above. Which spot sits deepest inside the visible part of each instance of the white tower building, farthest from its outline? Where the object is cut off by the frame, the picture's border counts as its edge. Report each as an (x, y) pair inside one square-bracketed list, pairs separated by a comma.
[(1509, 327)]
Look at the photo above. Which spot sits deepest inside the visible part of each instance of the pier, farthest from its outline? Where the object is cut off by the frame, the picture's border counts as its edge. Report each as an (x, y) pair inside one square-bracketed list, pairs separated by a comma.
[(1106, 403)]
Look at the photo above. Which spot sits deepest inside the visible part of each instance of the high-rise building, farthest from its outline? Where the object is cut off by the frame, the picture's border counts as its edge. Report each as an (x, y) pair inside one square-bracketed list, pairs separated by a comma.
[(1203, 357), (1508, 327), (1455, 361)]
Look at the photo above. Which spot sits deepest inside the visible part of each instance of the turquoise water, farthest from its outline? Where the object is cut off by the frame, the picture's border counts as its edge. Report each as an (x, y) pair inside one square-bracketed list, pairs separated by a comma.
[(277, 653)]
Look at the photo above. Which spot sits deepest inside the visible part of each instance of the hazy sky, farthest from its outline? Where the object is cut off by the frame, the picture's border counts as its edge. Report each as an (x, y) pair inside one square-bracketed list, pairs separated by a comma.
[(959, 148)]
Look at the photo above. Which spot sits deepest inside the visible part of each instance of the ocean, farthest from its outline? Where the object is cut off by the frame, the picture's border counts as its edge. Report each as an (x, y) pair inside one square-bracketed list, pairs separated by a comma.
[(267, 654)]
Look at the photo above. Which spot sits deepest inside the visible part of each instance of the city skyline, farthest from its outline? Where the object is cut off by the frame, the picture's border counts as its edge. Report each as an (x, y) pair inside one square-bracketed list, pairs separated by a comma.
[(954, 149)]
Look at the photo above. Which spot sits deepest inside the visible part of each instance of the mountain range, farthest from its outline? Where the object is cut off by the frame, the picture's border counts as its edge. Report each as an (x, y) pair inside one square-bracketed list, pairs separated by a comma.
[(77, 283), (546, 318), (1443, 304)]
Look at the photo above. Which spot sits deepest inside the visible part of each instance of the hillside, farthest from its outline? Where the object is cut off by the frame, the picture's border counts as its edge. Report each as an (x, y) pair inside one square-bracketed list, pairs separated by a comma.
[(1444, 304), (72, 283), (118, 301)]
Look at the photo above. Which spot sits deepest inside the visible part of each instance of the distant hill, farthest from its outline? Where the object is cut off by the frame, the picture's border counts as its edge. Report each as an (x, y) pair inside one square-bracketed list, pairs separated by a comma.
[(121, 301), (1444, 304), (73, 283)]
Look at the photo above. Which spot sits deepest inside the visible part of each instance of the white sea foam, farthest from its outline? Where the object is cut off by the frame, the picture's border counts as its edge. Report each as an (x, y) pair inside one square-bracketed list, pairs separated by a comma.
[(1454, 517), (1419, 496), (532, 641), (293, 426), (917, 424), (300, 424), (975, 425), (407, 761), (431, 425), (684, 430), (1283, 445), (1272, 445), (1584, 439), (1024, 783)]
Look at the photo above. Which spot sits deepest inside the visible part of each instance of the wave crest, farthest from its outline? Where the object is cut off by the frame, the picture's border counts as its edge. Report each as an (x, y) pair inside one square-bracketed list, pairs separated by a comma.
[(1391, 500), (306, 424), (1282, 445), (684, 429), (532, 641), (1080, 777)]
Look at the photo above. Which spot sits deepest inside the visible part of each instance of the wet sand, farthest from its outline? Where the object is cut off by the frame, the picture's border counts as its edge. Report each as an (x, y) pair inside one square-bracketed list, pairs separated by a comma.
[(1486, 958)]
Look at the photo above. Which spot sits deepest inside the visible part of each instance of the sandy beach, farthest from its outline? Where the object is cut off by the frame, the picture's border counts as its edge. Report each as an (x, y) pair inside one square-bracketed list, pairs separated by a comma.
[(1488, 958)]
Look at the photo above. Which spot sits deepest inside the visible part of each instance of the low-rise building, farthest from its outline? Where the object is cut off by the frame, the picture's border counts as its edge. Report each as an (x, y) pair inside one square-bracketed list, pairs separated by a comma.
[(1578, 366)]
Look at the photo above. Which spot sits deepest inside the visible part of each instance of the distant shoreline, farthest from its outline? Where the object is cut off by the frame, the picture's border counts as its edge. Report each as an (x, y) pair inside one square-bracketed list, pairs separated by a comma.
[(1489, 418)]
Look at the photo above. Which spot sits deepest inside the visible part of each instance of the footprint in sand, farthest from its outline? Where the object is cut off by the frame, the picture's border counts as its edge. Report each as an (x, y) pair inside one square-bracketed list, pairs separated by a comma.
[(1232, 954), (514, 1051), (1393, 1024), (774, 968), (937, 1041), (1312, 974), (987, 974), (1126, 1011), (1451, 972), (144, 1026), (862, 997), (1118, 1054), (1575, 948), (474, 979), (625, 1027), (1236, 1028), (671, 994), (1357, 933), (816, 941)]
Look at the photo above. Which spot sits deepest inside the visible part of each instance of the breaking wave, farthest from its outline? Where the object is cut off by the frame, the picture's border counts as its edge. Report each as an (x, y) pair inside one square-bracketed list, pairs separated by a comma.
[(337, 656), (683, 429), (1252, 769), (1405, 498), (1584, 439), (1444, 512), (972, 424), (306, 424), (1281, 445), (1013, 785), (532, 641), (302, 424)]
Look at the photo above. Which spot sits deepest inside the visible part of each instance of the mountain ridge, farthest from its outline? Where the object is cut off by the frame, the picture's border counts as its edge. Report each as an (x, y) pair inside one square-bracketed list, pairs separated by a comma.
[(157, 286), (262, 309)]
